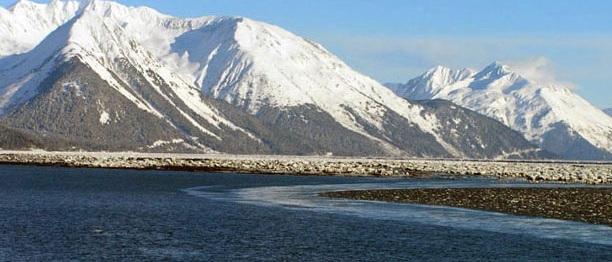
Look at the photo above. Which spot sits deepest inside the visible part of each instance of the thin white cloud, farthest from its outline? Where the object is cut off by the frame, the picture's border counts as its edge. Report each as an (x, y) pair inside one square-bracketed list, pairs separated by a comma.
[(577, 53), (539, 69)]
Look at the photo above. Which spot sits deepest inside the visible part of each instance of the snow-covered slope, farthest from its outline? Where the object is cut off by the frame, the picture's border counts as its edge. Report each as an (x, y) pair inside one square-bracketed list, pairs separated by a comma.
[(543, 112), (271, 67), (253, 65), (165, 65), (97, 36), (432, 82), (26, 23), (101, 43)]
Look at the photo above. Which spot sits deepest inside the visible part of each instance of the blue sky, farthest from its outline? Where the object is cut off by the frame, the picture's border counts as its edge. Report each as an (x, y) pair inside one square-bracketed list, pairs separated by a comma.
[(395, 40)]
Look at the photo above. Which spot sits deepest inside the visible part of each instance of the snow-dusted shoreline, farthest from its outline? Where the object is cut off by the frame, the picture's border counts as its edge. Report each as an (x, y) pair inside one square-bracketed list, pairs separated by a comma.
[(570, 172)]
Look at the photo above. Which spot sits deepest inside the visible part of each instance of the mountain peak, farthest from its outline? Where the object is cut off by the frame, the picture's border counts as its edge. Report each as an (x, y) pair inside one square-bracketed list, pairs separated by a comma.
[(441, 76), (541, 110), (21, 4), (438, 69), (28, 5), (133, 62), (83, 2), (26, 23), (494, 70), (434, 81)]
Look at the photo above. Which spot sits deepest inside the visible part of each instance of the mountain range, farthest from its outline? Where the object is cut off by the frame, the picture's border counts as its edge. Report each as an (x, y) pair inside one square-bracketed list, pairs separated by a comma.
[(548, 114), (98, 75), (608, 111)]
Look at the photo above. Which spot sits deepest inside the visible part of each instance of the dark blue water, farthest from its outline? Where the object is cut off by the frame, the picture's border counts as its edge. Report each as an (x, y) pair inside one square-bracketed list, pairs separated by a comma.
[(83, 214)]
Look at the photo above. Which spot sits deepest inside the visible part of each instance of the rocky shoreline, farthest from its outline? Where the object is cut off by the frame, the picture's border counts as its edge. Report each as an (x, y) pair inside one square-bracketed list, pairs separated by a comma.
[(565, 172), (589, 205)]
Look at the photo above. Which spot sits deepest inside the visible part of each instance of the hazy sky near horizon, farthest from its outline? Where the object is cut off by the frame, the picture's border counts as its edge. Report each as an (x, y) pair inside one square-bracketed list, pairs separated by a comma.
[(395, 40)]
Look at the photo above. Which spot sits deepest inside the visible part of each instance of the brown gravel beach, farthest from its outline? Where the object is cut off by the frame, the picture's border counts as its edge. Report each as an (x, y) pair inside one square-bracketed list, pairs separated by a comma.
[(590, 205)]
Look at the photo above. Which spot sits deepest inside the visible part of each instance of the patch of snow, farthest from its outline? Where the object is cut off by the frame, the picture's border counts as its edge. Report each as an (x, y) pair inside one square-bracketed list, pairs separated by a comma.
[(160, 143), (104, 118), (73, 87)]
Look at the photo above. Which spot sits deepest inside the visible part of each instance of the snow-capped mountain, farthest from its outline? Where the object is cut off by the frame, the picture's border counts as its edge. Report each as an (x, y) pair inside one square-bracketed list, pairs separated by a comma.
[(608, 111), (88, 81), (548, 114), (116, 74)]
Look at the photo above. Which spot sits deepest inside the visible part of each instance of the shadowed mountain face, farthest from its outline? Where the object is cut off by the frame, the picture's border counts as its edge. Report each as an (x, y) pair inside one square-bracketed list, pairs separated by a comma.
[(109, 77), (547, 114), (491, 136), (74, 102), (608, 111), (11, 139)]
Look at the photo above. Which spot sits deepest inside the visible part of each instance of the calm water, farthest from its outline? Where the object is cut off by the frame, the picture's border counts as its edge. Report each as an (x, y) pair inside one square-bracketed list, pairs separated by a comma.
[(82, 214)]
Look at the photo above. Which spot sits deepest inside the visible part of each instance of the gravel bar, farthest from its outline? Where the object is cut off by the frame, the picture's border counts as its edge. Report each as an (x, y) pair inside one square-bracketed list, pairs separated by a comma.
[(589, 205), (541, 171)]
